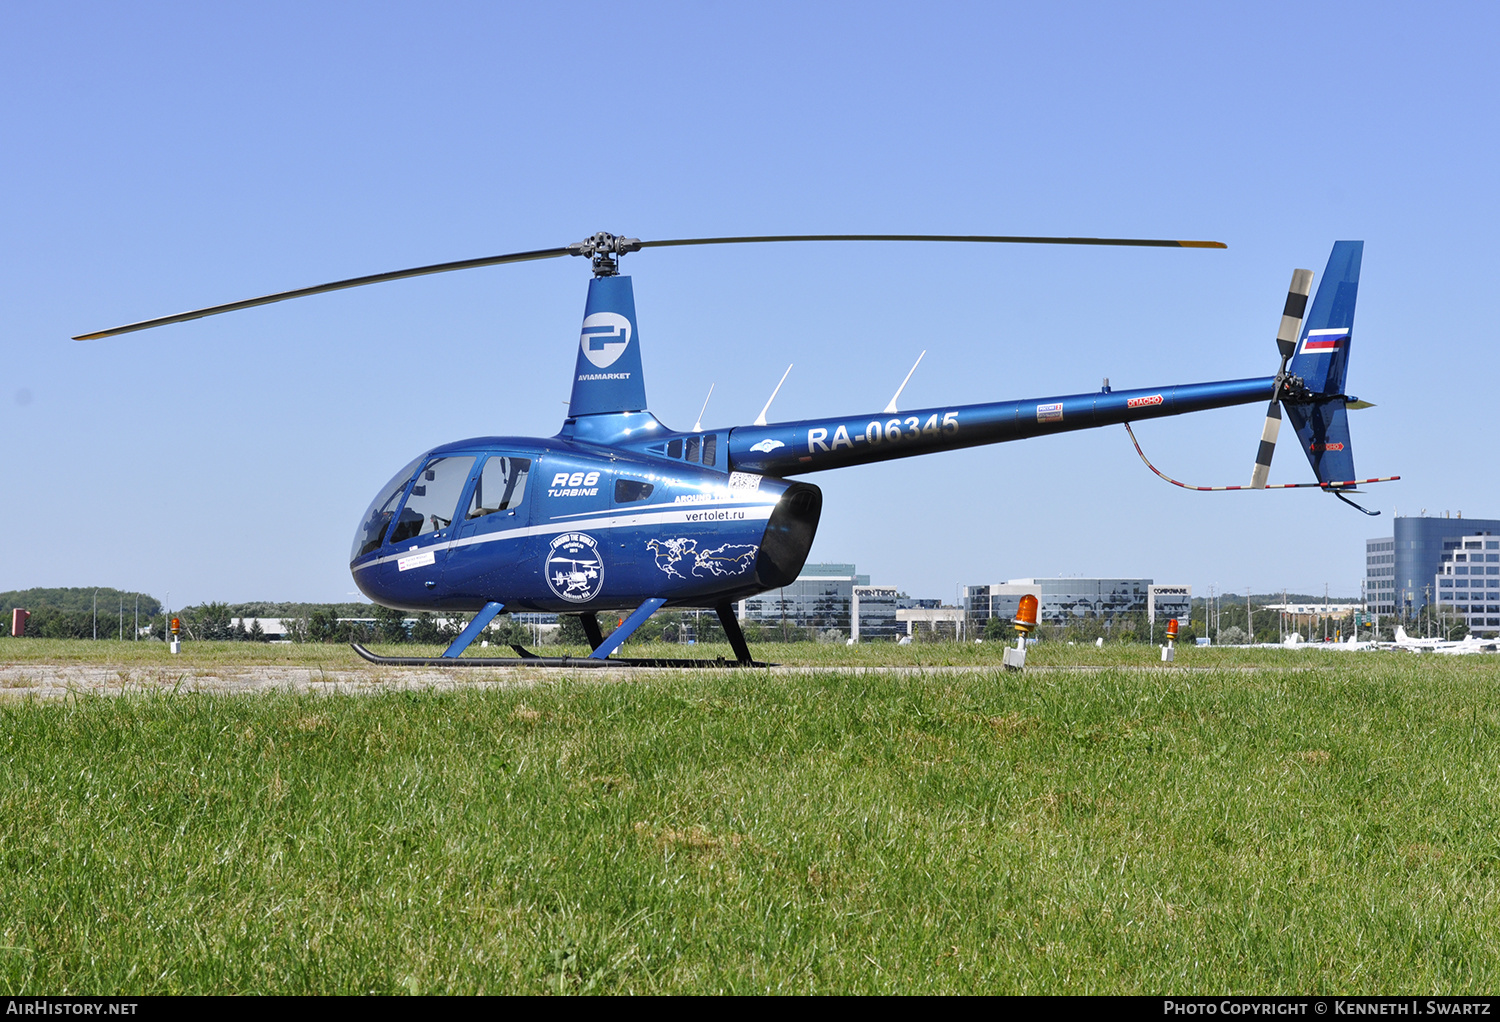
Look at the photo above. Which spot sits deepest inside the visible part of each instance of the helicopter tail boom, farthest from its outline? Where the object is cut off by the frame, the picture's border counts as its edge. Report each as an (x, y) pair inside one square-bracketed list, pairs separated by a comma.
[(813, 445)]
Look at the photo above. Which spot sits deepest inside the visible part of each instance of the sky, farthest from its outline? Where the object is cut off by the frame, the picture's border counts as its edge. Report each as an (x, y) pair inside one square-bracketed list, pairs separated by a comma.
[(162, 157)]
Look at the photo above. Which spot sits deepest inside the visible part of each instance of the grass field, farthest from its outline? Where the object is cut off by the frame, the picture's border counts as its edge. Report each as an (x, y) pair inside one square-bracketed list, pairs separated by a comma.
[(1326, 823)]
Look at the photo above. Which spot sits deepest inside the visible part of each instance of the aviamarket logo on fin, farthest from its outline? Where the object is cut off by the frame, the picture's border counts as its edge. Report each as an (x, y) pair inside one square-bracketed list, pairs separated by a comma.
[(605, 337)]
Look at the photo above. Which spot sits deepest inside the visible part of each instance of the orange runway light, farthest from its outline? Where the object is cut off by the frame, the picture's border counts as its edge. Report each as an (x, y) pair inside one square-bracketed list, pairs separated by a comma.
[(1026, 615)]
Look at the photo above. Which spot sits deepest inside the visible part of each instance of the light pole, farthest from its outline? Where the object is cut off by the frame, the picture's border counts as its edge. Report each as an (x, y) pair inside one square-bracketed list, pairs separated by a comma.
[(96, 615)]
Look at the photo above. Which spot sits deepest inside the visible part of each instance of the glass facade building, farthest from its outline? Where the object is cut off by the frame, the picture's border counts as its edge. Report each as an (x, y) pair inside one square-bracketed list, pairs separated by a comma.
[(876, 617), (1467, 585), (1380, 576), (820, 598), (1060, 598), (1404, 572), (824, 597), (1166, 602)]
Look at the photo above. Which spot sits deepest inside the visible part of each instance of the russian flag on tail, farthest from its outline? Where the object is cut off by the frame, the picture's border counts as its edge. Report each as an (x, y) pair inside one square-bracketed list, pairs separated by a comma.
[(1324, 342)]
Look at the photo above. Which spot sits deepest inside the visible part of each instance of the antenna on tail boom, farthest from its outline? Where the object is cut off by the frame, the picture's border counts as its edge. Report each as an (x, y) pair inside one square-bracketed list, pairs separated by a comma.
[(698, 426), (890, 409), (760, 420)]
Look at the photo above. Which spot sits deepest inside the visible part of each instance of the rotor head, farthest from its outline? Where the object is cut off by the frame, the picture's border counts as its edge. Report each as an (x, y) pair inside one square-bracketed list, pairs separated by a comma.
[(605, 249)]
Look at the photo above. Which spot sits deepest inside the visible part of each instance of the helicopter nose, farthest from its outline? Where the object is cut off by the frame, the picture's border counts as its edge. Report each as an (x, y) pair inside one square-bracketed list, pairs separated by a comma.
[(367, 582)]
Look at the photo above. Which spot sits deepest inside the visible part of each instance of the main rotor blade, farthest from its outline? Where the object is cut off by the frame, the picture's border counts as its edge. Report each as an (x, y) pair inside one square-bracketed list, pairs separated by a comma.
[(981, 238), (606, 244), (338, 285)]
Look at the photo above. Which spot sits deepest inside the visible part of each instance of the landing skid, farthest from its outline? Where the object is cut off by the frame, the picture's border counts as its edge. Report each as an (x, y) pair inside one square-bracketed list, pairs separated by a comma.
[(526, 658)]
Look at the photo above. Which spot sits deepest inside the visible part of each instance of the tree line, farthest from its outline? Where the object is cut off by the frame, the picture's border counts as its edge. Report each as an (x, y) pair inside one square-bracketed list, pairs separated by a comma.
[(70, 613)]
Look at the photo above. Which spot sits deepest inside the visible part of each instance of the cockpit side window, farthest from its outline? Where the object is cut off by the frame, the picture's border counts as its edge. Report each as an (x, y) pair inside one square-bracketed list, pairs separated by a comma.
[(501, 485), (377, 519), (434, 496), (629, 490)]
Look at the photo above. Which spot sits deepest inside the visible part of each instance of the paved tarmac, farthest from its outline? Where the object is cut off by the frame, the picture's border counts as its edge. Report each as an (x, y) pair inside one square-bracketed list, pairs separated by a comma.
[(49, 681)]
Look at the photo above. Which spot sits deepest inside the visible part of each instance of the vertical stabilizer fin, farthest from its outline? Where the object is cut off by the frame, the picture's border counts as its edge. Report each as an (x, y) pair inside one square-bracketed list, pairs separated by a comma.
[(608, 377), (1321, 363), (1322, 358)]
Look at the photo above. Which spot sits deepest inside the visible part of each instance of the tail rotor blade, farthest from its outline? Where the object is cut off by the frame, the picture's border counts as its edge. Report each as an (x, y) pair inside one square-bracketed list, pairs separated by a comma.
[(1262, 473), (1291, 316), (1286, 340)]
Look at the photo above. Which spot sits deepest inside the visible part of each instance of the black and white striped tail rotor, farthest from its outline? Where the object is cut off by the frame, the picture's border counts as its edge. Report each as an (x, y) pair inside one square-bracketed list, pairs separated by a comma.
[(1286, 340)]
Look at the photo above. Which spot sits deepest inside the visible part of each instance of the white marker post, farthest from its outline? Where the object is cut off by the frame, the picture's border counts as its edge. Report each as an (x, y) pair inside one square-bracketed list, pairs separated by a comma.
[(1167, 651)]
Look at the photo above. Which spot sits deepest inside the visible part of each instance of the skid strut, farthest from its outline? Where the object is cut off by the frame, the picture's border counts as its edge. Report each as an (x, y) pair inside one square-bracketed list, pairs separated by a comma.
[(602, 647), (526, 658)]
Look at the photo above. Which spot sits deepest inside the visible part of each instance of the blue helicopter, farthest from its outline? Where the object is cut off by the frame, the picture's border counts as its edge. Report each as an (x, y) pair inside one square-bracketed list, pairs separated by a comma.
[(620, 513)]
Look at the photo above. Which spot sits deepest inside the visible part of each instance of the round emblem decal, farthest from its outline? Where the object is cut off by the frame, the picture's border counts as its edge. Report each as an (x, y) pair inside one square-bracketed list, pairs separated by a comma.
[(574, 569), (605, 337)]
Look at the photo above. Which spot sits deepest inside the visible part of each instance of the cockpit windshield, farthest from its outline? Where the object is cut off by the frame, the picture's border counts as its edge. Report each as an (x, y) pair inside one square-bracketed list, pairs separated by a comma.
[(372, 527), (434, 497)]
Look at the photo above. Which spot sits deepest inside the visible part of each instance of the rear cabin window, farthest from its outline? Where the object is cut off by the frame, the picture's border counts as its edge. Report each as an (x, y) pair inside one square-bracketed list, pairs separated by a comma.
[(629, 490), (501, 486)]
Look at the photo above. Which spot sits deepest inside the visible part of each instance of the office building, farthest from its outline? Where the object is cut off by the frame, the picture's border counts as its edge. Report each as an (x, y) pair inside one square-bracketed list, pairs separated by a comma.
[(1060, 599), (826, 597), (1467, 584), (820, 598), (873, 614), (1404, 571)]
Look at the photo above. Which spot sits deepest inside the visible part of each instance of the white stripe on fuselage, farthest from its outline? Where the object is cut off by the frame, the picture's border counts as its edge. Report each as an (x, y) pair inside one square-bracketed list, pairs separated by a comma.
[(692, 500), (671, 514)]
